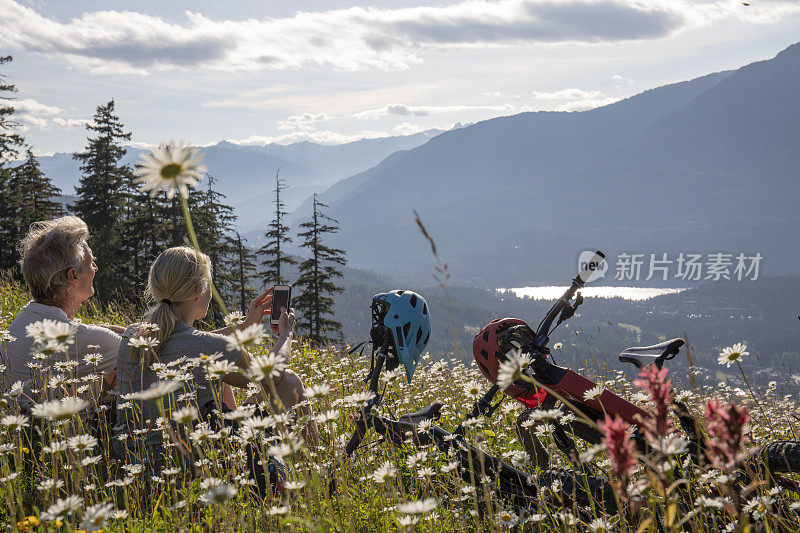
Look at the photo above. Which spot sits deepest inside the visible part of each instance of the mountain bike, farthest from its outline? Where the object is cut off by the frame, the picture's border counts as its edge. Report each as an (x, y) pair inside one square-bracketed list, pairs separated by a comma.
[(560, 386), (475, 464)]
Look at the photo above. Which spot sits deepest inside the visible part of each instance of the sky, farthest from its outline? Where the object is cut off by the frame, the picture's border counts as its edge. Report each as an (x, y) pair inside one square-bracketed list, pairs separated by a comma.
[(329, 71)]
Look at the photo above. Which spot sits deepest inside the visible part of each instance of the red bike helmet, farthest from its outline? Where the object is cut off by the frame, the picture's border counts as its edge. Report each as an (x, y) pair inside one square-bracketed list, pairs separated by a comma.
[(491, 346)]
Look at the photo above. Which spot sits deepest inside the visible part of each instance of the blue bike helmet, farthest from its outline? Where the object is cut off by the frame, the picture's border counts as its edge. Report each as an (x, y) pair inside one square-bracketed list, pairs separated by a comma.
[(406, 314)]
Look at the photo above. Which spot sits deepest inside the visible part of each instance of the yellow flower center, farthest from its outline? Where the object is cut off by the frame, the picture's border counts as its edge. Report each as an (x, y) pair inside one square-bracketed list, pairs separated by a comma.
[(171, 170), (506, 517)]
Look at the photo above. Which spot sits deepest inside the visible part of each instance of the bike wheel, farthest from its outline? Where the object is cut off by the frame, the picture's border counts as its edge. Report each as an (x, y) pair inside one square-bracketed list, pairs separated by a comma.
[(573, 487), (779, 457)]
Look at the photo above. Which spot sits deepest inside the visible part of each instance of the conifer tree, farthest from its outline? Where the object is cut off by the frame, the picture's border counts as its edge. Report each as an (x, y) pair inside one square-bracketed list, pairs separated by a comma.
[(10, 142), (317, 276), (277, 234), (143, 232), (102, 198), (34, 195), (213, 224), (244, 269)]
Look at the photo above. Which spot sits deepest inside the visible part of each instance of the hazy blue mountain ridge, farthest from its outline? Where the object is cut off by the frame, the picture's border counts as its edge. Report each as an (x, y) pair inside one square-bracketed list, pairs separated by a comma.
[(245, 173), (706, 165)]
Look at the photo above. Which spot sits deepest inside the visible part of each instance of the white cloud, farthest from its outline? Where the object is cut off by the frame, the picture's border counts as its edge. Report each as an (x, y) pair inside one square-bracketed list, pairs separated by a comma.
[(69, 123), (423, 110), (406, 128), (32, 114), (302, 121), (354, 38), (321, 137), (29, 106), (567, 94)]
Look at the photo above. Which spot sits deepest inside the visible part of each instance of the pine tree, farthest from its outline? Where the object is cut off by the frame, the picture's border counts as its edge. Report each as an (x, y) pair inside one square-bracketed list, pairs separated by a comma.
[(10, 141), (213, 224), (34, 194), (102, 196), (244, 269), (277, 234), (318, 274), (143, 232)]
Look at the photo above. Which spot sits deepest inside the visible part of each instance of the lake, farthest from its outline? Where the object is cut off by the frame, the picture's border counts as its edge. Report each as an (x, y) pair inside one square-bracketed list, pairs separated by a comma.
[(628, 293)]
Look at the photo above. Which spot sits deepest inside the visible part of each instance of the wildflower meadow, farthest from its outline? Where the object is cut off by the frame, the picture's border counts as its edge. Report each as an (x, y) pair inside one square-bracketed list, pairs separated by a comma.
[(58, 475), (59, 472)]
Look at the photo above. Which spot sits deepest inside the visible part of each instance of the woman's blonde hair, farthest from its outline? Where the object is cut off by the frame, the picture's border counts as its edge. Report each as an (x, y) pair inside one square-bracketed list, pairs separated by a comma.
[(175, 276), (49, 250)]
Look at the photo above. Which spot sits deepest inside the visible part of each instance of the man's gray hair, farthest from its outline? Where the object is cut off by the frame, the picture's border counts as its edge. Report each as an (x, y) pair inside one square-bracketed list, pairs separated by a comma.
[(48, 251)]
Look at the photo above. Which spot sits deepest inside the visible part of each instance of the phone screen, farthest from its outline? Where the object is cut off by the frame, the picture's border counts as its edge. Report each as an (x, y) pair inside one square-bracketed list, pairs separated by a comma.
[(281, 297)]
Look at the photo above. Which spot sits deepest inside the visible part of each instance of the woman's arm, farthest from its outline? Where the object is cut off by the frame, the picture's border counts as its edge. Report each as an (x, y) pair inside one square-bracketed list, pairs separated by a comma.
[(282, 348), (259, 306), (119, 330)]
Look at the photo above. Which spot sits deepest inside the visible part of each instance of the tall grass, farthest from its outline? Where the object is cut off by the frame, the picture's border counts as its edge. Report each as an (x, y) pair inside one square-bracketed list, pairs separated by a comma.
[(40, 471)]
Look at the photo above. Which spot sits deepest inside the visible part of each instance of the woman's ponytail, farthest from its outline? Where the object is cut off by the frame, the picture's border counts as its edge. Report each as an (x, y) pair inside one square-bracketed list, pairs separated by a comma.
[(175, 277)]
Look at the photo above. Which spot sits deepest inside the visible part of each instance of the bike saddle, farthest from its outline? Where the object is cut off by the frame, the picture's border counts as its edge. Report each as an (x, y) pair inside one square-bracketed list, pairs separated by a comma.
[(641, 356), (429, 412)]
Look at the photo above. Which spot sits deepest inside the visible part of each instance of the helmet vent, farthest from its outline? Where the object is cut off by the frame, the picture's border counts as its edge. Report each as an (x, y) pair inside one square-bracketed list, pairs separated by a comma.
[(413, 300), (406, 328), (419, 335), (400, 339), (485, 354), (428, 336), (424, 309)]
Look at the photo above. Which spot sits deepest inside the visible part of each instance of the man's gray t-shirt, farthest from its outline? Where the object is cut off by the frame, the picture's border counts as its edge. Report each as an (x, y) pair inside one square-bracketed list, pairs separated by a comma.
[(137, 427)]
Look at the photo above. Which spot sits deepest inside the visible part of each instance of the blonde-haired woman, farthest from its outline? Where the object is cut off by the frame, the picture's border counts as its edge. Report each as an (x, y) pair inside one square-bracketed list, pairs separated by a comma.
[(178, 288), (59, 268)]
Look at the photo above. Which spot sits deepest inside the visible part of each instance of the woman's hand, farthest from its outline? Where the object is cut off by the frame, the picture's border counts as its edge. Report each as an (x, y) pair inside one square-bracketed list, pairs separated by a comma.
[(259, 306), (285, 324)]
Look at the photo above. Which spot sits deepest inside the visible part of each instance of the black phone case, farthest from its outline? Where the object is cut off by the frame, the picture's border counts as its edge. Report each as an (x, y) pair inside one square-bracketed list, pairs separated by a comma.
[(273, 319)]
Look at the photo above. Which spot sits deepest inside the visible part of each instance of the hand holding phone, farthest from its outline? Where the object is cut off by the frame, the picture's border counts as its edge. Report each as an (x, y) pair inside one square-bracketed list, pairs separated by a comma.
[(281, 298)]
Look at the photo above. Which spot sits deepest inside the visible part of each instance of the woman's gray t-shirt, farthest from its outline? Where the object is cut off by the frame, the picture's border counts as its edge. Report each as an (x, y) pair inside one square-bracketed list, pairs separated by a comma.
[(179, 358)]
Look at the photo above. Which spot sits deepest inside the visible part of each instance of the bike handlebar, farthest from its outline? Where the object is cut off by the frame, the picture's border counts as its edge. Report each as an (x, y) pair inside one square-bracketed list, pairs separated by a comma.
[(577, 283)]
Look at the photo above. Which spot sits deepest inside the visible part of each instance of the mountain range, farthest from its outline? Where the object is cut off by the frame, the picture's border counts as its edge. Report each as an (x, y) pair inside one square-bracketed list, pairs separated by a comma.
[(246, 173), (707, 165)]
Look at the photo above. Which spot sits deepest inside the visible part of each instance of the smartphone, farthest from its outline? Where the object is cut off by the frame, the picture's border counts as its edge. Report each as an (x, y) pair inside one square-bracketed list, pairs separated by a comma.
[(281, 297)]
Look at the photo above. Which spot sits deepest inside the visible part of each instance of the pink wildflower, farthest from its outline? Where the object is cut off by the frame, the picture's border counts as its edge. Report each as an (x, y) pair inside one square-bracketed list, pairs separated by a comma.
[(620, 449), (655, 382), (725, 433)]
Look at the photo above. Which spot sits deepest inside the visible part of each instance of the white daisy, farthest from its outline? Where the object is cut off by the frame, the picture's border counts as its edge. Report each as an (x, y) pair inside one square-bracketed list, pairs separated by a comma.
[(317, 391), (242, 339), (327, 416), (407, 521), (511, 369), (216, 491), (384, 471), (732, 354), (170, 167), (271, 365), (62, 507), (185, 415), (96, 517), (60, 410), (15, 422), (82, 442), (143, 342), (595, 392), (156, 390), (418, 507), (234, 319), (507, 518)]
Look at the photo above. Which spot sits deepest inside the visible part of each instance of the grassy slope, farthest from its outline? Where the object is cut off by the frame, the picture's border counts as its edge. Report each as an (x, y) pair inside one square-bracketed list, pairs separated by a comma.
[(169, 502)]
